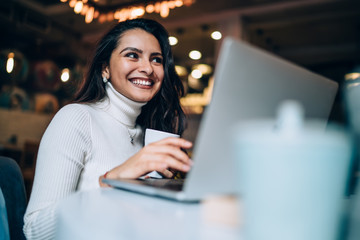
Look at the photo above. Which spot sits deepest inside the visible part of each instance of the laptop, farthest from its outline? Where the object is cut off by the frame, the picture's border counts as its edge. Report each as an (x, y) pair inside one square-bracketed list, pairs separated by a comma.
[(250, 83)]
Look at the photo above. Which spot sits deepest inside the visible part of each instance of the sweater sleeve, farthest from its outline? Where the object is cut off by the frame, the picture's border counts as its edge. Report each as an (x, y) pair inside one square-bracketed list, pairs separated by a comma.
[(63, 151)]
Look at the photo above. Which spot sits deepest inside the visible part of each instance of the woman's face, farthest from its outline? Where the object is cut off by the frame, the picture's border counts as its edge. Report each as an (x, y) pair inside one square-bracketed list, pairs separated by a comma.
[(136, 66)]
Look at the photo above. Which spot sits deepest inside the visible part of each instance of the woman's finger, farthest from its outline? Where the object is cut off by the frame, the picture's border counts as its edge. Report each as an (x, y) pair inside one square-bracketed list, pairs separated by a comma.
[(166, 173), (161, 162), (169, 150), (177, 142)]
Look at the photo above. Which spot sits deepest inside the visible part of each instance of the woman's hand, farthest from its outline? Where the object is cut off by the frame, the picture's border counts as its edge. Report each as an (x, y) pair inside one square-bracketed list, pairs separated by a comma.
[(158, 156)]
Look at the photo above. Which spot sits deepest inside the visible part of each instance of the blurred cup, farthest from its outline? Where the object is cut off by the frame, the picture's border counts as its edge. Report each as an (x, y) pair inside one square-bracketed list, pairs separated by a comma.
[(292, 177), (152, 135)]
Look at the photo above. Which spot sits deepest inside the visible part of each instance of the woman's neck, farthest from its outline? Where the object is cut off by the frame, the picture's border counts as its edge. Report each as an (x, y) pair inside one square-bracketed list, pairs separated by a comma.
[(120, 107)]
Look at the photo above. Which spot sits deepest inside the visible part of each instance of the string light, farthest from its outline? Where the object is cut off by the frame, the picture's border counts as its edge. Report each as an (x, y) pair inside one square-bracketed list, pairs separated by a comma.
[(85, 8)]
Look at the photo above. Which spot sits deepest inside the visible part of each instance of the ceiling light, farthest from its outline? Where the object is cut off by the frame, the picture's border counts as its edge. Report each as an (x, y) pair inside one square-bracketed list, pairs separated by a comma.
[(216, 35), (195, 55), (196, 73), (173, 40)]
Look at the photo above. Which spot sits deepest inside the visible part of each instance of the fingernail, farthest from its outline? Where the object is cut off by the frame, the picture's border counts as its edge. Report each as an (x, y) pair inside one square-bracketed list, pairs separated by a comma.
[(186, 168), (187, 143)]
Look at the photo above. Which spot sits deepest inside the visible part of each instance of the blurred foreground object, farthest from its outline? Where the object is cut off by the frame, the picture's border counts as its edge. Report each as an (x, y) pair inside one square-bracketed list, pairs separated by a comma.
[(352, 102), (293, 176)]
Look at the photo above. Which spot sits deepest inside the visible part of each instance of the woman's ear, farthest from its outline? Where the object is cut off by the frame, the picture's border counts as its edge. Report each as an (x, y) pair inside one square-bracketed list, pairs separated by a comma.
[(106, 72)]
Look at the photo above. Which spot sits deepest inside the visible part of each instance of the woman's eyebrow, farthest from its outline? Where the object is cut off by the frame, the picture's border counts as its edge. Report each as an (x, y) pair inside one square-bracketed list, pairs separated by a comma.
[(156, 54), (140, 51), (131, 49)]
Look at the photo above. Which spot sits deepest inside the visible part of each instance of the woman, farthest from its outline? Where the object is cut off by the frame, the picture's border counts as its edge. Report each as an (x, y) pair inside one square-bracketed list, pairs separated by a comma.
[(131, 85)]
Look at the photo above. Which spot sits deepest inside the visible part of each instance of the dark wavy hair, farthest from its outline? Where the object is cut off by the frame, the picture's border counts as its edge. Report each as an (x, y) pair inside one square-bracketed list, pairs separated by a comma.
[(164, 111)]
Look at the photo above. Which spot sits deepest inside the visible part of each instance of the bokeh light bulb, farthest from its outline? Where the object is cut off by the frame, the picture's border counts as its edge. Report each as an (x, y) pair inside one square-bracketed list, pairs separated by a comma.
[(173, 40), (65, 75), (216, 35), (195, 55)]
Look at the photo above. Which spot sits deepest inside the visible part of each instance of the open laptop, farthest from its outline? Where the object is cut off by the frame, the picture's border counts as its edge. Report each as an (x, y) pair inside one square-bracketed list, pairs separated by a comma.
[(249, 84)]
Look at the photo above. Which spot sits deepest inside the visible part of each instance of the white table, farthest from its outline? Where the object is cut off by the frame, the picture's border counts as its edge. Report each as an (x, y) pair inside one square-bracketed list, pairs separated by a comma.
[(115, 214)]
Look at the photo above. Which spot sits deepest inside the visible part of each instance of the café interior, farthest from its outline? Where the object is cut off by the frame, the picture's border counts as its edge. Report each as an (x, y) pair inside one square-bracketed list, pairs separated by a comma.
[(45, 46)]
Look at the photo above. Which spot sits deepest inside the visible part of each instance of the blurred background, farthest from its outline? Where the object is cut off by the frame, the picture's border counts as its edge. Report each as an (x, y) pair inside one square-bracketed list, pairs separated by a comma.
[(45, 46)]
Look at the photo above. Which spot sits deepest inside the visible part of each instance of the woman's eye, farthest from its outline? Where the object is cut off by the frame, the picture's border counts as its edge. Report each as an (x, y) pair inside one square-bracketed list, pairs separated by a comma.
[(132, 55), (157, 60)]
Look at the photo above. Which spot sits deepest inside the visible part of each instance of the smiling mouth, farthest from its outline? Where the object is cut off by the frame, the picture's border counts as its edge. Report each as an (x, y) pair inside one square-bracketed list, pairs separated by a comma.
[(140, 82)]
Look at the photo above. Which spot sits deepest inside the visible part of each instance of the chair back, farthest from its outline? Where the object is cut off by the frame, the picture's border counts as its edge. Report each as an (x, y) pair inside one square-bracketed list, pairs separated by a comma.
[(13, 190)]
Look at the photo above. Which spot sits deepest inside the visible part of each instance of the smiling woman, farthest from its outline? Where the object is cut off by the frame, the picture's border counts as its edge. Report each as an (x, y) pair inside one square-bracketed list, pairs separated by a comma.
[(131, 85), (136, 70)]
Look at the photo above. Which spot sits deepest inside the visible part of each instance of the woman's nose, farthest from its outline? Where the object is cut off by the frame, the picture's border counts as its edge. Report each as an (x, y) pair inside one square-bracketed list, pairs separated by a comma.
[(146, 67)]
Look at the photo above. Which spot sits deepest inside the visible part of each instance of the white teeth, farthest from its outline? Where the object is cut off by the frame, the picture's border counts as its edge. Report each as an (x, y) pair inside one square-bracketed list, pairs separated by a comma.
[(141, 82)]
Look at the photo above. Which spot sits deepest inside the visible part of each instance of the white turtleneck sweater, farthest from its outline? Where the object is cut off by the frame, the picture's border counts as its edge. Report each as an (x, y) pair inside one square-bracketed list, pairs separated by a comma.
[(82, 142)]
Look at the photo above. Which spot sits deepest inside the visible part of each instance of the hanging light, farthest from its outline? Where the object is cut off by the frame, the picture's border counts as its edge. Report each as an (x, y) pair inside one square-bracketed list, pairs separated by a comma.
[(65, 75), (85, 7), (89, 16), (171, 4), (178, 3), (96, 14), (164, 10), (157, 7), (109, 16), (139, 11), (150, 8), (10, 62), (72, 3), (78, 7)]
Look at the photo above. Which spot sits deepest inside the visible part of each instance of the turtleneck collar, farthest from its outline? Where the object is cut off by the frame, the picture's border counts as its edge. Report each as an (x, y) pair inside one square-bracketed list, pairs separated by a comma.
[(120, 107)]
